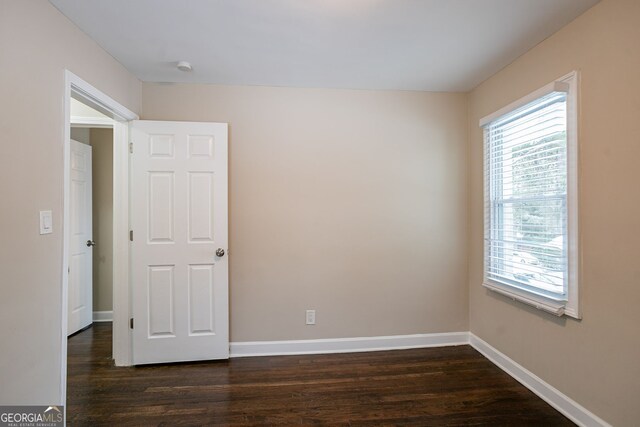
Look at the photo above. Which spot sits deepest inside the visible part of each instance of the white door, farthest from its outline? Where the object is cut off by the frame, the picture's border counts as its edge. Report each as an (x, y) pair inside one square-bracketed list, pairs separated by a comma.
[(179, 220), (80, 303)]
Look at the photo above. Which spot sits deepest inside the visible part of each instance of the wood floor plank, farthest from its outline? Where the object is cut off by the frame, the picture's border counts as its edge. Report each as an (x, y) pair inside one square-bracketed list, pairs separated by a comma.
[(447, 386)]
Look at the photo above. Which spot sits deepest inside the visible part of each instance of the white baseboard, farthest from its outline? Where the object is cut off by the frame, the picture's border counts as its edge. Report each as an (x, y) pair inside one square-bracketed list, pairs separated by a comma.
[(103, 316), (561, 402), (346, 345)]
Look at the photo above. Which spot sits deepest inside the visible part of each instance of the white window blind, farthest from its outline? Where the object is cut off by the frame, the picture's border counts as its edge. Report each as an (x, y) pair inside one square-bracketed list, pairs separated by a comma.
[(526, 198)]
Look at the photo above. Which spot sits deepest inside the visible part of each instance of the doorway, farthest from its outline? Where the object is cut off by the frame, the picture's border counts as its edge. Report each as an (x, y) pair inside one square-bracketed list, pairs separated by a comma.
[(91, 211), (118, 117), (178, 205)]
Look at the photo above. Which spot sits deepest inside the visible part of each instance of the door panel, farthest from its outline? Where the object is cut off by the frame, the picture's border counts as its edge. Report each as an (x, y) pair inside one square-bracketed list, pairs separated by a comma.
[(161, 206), (179, 219), (80, 304), (161, 304), (201, 300), (201, 203)]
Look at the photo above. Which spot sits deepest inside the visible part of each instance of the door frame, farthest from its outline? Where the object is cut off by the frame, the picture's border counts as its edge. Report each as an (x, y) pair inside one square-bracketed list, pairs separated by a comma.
[(79, 89)]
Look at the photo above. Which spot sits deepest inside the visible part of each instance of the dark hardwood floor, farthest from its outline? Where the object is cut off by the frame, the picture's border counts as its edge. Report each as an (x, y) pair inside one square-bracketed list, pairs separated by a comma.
[(424, 387)]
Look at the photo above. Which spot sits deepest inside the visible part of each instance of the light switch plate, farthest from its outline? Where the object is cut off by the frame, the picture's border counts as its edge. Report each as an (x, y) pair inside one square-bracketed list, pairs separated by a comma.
[(46, 222)]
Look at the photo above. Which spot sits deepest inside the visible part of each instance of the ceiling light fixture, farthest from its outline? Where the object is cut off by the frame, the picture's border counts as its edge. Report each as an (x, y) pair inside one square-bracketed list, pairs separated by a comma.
[(184, 66)]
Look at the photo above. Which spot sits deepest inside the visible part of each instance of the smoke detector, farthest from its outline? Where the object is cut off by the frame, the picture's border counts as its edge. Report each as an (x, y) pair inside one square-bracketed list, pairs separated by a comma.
[(184, 66)]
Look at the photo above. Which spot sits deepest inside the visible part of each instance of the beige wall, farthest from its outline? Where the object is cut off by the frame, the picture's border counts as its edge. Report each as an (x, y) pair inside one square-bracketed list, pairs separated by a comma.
[(36, 44), (352, 203), (81, 135), (102, 143), (594, 361)]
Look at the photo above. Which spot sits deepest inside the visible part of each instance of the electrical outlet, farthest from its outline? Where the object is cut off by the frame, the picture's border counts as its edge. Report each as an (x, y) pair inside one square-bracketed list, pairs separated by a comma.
[(311, 317)]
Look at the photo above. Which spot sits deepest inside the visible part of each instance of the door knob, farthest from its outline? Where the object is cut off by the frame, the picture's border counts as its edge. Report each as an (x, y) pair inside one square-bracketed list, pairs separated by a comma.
[(91, 243), (219, 252)]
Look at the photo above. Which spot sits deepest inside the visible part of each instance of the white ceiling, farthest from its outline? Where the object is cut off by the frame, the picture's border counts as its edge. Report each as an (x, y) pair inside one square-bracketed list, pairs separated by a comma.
[(433, 45)]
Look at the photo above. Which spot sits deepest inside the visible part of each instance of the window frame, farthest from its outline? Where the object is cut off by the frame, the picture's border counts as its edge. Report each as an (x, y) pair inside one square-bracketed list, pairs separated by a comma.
[(569, 84)]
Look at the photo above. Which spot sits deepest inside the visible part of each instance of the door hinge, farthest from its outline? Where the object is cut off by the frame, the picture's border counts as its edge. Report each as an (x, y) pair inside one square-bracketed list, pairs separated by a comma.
[(131, 235), (131, 323), (131, 148)]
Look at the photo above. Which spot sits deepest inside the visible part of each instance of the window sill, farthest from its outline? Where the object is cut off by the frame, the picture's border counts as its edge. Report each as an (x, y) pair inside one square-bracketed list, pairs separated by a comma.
[(557, 308)]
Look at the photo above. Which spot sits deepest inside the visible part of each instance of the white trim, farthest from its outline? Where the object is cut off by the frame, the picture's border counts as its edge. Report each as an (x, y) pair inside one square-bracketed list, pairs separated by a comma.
[(561, 402), (91, 122), (66, 179), (573, 236), (346, 345), (556, 308), (121, 292), (558, 85), (79, 89), (96, 99), (103, 316)]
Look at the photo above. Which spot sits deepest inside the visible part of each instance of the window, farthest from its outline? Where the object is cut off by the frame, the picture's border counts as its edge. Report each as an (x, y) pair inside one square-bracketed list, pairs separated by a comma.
[(530, 177)]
